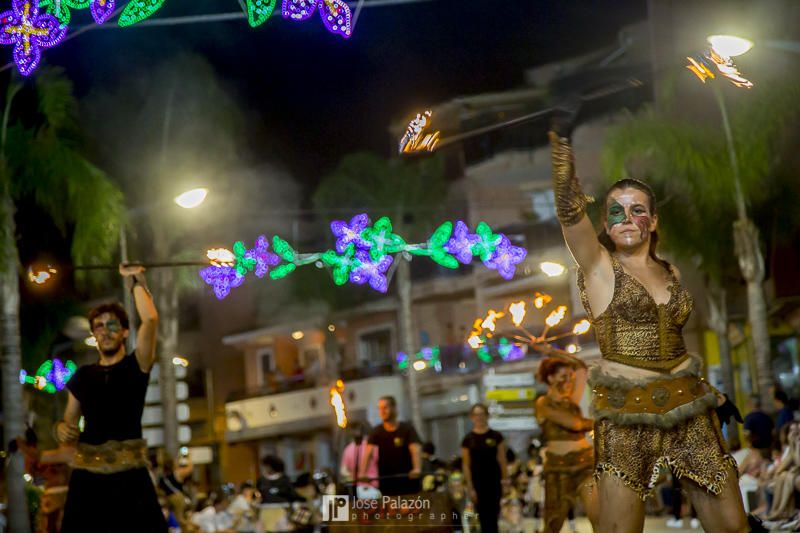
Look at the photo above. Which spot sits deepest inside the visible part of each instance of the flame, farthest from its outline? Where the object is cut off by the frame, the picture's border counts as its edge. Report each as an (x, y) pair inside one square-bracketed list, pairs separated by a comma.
[(581, 327), (416, 139), (701, 67), (221, 257), (337, 401), (474, 342), (491, 317), (556, 316), (517, 311), (41, 277), (541, 300)]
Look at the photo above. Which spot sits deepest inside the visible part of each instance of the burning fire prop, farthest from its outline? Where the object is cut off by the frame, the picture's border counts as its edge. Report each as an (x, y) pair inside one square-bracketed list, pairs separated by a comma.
[(337, 402), (484, 331), (714, 62), (416, 139)]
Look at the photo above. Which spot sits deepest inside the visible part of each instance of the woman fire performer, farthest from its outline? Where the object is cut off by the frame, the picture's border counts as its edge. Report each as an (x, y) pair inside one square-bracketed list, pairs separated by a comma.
[(569, 457), (651, 406)]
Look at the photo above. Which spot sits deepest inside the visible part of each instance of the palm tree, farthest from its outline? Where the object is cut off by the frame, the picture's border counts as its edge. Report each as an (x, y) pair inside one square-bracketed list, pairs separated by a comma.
[(409, 192), (43, 162), (690, 165)]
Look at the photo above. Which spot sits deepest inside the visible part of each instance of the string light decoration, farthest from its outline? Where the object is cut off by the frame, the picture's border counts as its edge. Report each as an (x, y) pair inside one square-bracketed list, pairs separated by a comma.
[(29, 32), (486, 340), (51, 376), (427, 357), (363, 254), (61, 9), (138, 10), (335, 14), (258, 11)]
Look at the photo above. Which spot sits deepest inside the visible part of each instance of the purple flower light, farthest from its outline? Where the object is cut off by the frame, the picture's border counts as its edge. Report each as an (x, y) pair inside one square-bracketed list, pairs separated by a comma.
[(102, 9), (264, 258), (346, 235), (371, 272), (29, 32), (222, 278), (505, 258), (336, 17), (461, 243), (335, 14)]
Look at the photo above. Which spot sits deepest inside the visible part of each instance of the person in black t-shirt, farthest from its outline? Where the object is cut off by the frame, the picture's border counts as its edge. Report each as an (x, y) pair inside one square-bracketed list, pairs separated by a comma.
[(483, 454), (399, 457), (110, 489)]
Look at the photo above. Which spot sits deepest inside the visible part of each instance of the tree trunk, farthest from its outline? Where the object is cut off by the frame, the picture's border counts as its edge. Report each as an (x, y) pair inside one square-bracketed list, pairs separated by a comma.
[(167, 305), (407, 344), (718, 321), (13, 415), (751, 263)]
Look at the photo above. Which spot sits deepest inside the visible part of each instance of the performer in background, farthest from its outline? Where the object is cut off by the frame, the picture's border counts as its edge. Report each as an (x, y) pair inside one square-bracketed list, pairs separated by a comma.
[(569, 456), (651, 406), (110, 489)]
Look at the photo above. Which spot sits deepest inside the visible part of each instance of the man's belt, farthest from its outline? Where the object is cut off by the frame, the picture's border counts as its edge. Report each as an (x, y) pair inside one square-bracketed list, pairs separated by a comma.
[(111, 457)]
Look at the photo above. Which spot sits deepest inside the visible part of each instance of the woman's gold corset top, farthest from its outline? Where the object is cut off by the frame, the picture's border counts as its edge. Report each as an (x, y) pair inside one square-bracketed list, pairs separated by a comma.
[(636, 331)]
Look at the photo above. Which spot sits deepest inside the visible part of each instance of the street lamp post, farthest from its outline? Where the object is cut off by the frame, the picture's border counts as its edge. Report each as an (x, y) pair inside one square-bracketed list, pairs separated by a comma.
[(168, 306), (747, 242)]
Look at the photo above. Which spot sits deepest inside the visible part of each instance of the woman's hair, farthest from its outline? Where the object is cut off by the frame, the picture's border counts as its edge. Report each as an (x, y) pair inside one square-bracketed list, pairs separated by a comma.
[(549, 366), (632, 183)]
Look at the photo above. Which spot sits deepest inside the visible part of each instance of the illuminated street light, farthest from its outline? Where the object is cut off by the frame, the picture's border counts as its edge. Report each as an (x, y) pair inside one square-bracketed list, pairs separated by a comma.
[(180, 361), (419, 366), (191, 199), (297, 335), (552, 269), (729, 45)]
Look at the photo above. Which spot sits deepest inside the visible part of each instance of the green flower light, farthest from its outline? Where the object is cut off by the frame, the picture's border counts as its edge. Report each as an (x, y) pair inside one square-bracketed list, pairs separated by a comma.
[(435, 248), (488, 242), (244, 264), (383, 240), (342, 265)]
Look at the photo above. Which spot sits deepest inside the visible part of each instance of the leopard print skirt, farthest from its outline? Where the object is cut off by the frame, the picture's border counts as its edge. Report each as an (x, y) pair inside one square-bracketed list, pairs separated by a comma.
[(694, 449)]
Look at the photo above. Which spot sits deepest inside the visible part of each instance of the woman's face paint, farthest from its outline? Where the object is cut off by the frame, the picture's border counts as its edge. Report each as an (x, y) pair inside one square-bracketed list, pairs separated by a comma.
[(628, 206)]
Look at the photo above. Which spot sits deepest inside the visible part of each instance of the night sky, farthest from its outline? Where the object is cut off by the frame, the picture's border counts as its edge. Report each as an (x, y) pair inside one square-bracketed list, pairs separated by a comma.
[(312, 96)]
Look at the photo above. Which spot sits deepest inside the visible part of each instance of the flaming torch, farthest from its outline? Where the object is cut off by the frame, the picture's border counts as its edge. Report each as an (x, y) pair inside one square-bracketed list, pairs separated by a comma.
[(337, 402)]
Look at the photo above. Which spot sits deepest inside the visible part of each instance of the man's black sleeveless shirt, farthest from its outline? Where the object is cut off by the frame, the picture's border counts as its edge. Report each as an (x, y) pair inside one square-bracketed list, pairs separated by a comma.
[(112, 400)]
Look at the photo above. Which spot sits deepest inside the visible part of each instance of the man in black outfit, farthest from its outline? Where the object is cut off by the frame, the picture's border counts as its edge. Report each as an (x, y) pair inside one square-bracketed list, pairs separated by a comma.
[(398, 447), (273, 484), (110, 490)]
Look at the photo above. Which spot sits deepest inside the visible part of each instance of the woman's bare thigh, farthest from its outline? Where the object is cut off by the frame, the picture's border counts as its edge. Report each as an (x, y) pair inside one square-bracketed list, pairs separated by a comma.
[(723, 513), (620, 508)]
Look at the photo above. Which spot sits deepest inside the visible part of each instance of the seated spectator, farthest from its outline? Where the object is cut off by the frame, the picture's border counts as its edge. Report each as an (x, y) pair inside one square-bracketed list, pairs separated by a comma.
[(243, 509), (786, 479), (273, 484)]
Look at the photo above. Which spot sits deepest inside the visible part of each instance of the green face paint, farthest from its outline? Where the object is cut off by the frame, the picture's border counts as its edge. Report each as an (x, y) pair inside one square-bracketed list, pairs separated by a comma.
[(615, 214), (112, 326)]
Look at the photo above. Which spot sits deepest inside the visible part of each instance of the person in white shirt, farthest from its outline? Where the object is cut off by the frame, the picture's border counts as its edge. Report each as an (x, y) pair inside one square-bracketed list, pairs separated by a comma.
[(243, 510)]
